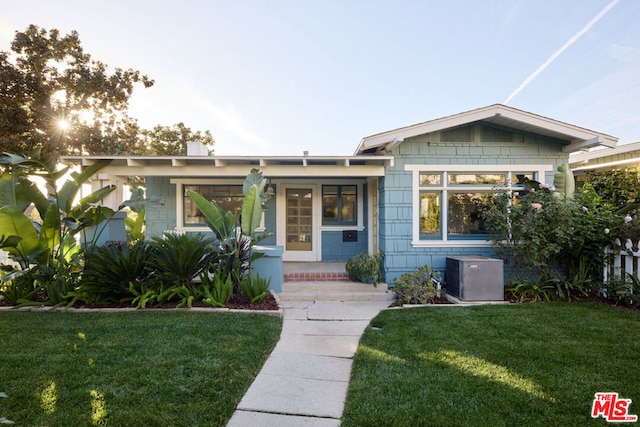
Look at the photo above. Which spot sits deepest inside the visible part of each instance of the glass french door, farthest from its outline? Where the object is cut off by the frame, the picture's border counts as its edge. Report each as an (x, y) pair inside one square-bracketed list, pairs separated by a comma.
[(299, 219)]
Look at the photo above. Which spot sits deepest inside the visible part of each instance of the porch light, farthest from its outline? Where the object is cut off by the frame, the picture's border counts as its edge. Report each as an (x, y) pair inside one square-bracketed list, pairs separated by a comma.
[(269, 190)]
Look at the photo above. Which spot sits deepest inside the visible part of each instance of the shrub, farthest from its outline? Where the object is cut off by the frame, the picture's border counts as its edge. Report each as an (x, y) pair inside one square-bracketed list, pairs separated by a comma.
[(110, 270), (178, 258), (547, 237), (217, 290), (522, 290), (419, 287), (255, 288), (185, 294), (18, 287), (621, 291), (366, 268), (152, 294)]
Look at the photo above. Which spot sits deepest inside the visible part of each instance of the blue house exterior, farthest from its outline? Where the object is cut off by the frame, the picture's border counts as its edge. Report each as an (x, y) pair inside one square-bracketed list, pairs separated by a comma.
[(445, 172), (415, 193)]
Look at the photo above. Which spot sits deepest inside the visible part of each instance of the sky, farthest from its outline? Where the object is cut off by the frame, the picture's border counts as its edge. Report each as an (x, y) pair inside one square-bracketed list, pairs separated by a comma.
[(279, 77)]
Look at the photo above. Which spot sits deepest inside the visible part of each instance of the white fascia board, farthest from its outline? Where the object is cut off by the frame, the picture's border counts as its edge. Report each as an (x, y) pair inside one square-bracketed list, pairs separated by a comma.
[(578, 134), (242, 170), (583, 157), (347, 166), (609, 165), (587, 144)]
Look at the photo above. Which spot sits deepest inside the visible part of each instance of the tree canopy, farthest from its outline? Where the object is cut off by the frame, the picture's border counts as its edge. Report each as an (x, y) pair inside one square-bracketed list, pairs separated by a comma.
[(172, 140), (55, 97)]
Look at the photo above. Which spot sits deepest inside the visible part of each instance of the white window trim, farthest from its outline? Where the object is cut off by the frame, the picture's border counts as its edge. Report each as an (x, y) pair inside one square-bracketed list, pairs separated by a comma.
[(180, 183), (540, 170)]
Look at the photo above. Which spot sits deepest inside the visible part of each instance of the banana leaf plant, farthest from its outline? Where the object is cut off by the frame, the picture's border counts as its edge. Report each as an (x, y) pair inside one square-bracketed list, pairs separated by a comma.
[(46, 241), (237, 236)]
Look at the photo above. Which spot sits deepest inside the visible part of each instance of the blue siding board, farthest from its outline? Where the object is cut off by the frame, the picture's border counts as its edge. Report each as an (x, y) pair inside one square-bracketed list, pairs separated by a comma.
[(334, 249), (161, 217), (396, 197)]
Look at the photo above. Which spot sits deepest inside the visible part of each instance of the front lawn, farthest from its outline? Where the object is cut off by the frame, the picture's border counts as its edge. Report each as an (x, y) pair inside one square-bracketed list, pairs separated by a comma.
[(527, 364), (144, 368)]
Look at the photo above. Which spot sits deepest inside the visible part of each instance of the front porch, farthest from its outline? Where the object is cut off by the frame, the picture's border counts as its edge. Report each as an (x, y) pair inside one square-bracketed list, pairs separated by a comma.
[(327, 281)]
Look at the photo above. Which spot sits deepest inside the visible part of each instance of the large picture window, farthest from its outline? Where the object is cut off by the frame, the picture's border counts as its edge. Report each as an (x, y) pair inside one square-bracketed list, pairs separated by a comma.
[(228, 197), (449, 204), (339, 204)]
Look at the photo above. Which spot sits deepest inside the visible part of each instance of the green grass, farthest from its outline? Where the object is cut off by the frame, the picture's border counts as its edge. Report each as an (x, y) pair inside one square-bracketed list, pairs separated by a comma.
[(141, 368), (517, 365)]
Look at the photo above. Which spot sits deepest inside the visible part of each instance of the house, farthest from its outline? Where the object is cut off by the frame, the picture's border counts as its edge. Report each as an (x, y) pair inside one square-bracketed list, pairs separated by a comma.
[(624, 156), (415, 193)]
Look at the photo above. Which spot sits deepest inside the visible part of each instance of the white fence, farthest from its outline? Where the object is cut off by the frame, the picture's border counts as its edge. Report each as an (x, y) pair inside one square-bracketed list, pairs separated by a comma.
[(622, 261)]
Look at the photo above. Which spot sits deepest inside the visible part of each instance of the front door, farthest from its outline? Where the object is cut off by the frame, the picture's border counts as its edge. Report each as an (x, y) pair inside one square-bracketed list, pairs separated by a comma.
[(298, 228), (299, 219)]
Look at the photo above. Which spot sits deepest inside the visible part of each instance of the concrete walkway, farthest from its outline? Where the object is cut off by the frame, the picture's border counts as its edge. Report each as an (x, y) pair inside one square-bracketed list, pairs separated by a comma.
[(304, 381)]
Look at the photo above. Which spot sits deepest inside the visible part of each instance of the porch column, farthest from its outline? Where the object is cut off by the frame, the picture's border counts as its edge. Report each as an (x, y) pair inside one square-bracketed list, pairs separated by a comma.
[(115, 198), (372, 217)]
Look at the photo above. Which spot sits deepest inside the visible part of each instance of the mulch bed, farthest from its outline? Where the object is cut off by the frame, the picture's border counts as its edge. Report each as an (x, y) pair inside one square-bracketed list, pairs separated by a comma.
[(236, 303)]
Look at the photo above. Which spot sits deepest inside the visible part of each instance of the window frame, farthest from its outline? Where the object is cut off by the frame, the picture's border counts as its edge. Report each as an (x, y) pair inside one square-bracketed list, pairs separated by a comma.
[(340, 222), (180, 198), (443, 189), (191, 225)]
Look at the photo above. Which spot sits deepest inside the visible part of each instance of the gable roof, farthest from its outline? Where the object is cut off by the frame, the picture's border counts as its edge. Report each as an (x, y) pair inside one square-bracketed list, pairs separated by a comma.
[(498, 114)]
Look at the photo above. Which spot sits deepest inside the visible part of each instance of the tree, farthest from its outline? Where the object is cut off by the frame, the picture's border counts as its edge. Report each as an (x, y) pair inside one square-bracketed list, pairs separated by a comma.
[(619, 187), (172, 140), (54, 96)]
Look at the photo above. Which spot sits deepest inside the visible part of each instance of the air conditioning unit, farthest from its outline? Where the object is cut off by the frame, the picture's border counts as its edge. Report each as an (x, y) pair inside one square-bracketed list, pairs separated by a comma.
[(475, 278)]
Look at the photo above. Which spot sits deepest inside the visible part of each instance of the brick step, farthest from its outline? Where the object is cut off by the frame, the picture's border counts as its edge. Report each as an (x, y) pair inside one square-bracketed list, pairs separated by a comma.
[(333, 286), (315, 277), (335, 291)]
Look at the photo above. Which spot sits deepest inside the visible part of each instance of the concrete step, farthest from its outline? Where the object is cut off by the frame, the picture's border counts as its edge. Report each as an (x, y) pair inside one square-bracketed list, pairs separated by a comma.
[(335, 291)]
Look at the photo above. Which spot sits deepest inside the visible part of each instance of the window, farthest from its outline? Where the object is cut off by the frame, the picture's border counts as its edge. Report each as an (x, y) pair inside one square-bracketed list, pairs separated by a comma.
[(449, 205), (339, 204), (228, 197)]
